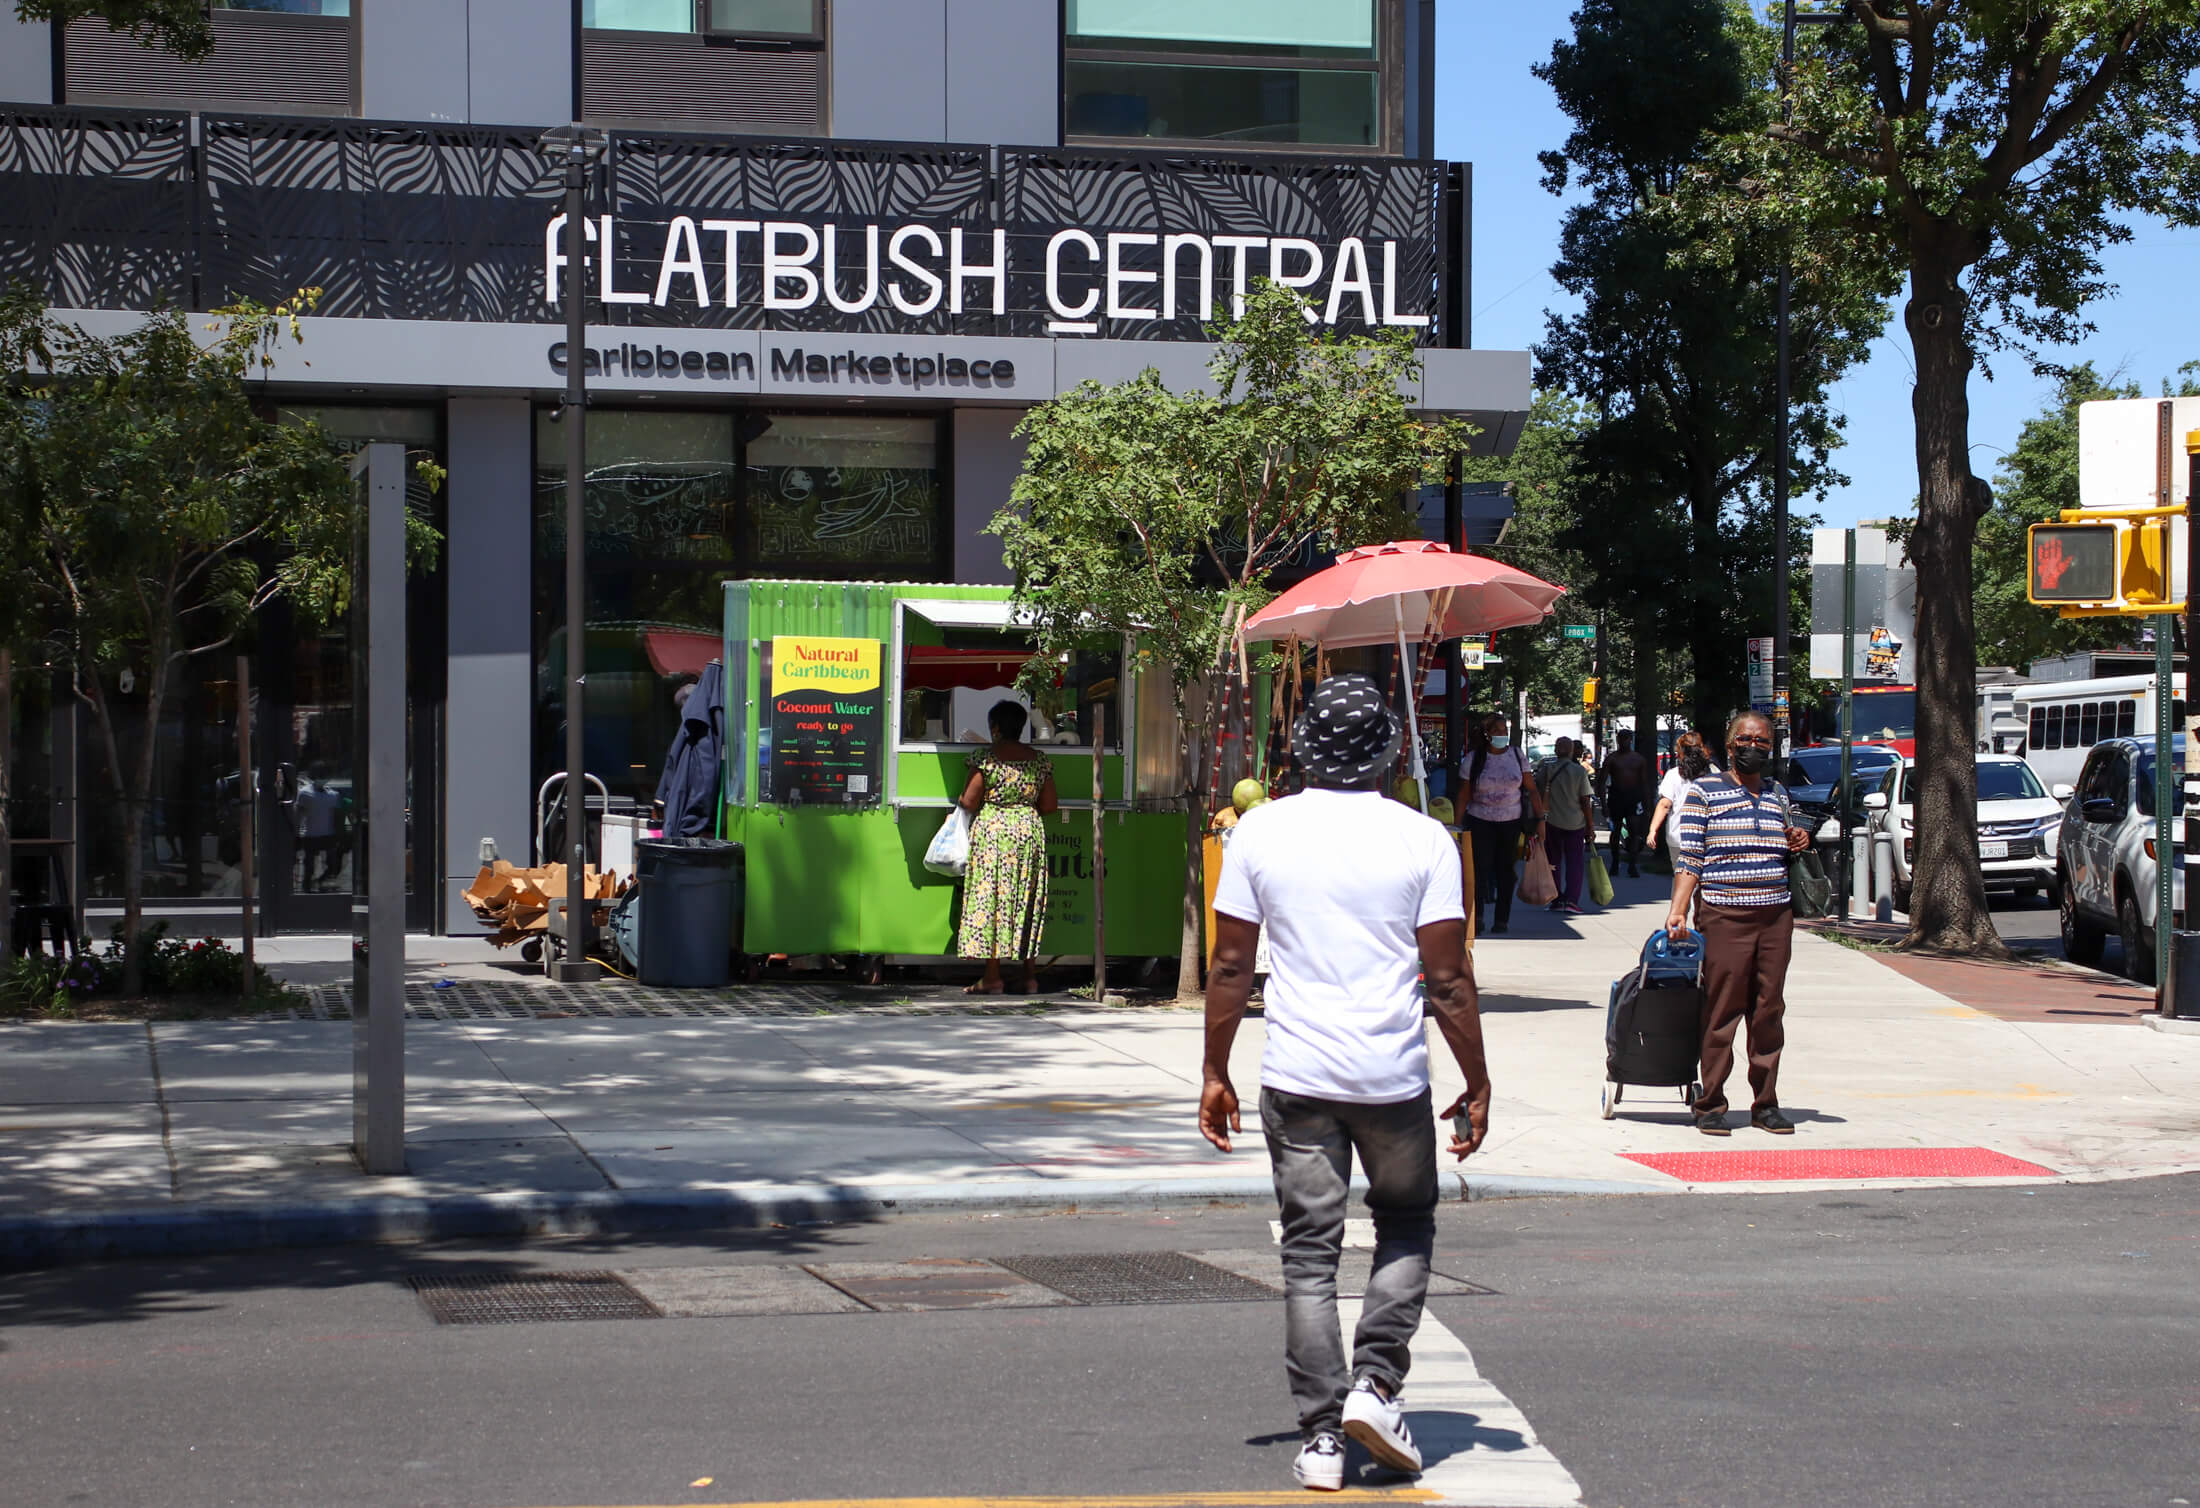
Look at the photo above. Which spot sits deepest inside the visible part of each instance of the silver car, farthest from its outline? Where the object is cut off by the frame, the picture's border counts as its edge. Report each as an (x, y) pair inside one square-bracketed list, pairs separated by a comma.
[(2017, 822), (2106, 862)]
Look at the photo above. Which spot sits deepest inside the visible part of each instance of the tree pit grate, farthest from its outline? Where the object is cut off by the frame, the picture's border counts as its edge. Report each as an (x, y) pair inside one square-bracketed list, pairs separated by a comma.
[(1152, 1277), (526, 1299)]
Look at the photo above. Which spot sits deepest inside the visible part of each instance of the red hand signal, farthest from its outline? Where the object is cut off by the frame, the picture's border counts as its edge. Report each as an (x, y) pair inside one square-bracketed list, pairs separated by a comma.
[(2052, 564)]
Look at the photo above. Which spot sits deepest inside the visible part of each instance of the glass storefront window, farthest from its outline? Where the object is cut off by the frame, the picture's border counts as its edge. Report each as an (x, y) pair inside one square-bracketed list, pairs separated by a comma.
[(840, 496), (660, 486), (1199, 103), (638, 15), (835, 496), (1325, 26)]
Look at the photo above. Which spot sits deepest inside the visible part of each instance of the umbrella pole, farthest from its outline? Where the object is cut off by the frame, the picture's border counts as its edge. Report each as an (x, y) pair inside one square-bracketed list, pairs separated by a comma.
[(1413, 714)]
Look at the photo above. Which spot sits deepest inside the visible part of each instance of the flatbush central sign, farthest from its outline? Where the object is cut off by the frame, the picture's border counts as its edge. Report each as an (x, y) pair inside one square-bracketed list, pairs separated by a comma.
[(1086, 282)]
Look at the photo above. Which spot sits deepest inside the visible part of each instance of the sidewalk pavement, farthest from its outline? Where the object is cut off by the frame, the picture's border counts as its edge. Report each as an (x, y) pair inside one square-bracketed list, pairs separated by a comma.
[(625, 1108)]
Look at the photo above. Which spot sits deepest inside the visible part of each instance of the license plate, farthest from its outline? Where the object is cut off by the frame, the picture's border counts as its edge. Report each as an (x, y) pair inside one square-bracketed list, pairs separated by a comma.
[(1988, 850)]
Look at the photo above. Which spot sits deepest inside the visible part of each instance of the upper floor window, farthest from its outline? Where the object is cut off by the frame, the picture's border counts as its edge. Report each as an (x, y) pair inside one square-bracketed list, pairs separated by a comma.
[(289, 7), (1254, 72), (760, 20)]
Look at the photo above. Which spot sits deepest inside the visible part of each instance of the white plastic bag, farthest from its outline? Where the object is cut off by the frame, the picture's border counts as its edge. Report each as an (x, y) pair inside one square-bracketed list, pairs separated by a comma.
[(949, 851)]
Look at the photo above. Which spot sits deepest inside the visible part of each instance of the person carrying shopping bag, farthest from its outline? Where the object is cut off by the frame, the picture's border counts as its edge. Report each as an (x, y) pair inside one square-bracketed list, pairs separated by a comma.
[(1567, 819), (1735, 845), (1502, 803)]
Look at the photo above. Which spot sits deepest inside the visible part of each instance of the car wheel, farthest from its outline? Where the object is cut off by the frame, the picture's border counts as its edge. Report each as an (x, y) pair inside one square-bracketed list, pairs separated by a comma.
[(2082, 941), (2138, 947), (1902, 894)]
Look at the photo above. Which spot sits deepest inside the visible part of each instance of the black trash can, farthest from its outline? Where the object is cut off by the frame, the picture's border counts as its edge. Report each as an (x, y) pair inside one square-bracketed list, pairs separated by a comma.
[(693, 890)]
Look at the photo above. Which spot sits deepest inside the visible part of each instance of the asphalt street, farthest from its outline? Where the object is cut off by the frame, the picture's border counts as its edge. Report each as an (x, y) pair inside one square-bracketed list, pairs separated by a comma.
[(2033, 925), (2004, 1345)]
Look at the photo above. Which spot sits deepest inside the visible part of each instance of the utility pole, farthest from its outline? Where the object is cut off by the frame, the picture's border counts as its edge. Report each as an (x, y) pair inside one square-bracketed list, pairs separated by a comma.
[(2177, 984), (1782, 703), (577, 148)]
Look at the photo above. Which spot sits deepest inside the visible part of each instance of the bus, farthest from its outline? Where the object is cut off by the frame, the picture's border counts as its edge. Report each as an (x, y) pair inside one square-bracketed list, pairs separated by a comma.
[(2062, 720)]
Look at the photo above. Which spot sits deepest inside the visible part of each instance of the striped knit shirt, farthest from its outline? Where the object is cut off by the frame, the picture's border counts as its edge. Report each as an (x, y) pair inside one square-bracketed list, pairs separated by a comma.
[(1735, 843)]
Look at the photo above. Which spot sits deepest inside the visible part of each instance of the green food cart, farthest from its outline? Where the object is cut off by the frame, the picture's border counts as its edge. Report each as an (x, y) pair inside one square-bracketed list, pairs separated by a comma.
[(851, 711)]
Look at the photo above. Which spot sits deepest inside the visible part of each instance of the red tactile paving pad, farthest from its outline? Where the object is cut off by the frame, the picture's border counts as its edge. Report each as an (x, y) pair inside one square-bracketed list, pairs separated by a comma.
[(1838, 1162)]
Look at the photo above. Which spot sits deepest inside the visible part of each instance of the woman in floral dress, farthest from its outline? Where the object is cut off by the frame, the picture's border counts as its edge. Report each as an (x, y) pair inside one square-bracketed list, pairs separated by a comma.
[(1005, 886)]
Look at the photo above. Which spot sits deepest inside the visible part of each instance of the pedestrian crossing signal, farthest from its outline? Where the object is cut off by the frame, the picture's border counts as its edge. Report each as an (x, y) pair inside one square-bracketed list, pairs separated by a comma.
[(1591, 690), (2113, 566)]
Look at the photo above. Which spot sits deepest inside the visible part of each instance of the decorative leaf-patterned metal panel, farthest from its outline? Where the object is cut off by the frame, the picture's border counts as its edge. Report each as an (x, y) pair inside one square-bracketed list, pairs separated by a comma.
[(390, 222), (654, 178), (394, 221), (1324, 201), (95, 208)]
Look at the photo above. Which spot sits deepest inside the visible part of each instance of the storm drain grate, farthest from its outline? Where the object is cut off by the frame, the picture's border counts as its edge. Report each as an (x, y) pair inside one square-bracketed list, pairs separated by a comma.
[(524, 1300), (1153, 1277)]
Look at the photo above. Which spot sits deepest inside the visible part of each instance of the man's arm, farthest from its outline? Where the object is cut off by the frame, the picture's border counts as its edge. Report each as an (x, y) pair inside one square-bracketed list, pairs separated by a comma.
[(1458, 1006), (1229, 987)]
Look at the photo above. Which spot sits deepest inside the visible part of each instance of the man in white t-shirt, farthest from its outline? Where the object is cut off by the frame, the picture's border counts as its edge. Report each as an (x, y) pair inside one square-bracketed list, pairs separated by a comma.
[(1359, 897)]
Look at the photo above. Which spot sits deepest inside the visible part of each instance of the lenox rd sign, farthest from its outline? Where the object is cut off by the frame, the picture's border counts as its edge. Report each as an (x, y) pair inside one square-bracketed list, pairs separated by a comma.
[(1088, 280)]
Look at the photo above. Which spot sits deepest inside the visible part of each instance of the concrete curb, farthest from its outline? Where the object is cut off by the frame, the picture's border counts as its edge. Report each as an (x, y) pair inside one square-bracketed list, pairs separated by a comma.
[(2182, 1026), (34, 1241)]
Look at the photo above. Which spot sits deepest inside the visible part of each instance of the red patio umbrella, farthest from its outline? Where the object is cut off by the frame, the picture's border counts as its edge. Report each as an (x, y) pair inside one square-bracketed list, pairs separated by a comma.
[(1380, 594), (1374, 593)]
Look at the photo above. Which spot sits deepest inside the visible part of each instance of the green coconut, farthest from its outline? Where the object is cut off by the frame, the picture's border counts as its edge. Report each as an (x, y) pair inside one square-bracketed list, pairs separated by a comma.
[(1247, 794)]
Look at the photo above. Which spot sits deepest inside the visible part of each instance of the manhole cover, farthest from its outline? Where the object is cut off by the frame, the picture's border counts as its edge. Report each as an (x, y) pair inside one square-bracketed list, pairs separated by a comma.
[(1148, 1277), (523, 1300)]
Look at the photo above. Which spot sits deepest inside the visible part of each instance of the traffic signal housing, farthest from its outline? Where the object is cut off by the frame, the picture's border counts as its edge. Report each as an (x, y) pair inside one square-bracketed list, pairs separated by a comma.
[(2102, 566), (1591, 690)]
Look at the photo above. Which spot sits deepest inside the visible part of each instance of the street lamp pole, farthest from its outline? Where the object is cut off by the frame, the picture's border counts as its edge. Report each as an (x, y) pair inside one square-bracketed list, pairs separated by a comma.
[(577, 147)]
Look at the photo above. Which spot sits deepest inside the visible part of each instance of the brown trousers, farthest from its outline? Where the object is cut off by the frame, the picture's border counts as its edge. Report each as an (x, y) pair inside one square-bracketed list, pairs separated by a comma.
[(1745, 965)]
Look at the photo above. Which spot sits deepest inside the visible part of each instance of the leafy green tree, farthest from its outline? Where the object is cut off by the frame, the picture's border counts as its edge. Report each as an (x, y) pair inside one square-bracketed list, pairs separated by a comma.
[(164, 510), (1672, 480), (19, 584), (1986, 151), (1162, 515), (177, 26)]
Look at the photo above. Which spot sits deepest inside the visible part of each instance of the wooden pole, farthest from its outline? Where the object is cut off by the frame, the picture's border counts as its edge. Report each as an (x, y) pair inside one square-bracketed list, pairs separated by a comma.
[(248, 798), (1099, 858)]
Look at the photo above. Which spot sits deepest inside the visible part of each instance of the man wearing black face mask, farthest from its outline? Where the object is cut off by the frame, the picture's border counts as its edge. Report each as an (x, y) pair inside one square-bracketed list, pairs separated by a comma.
[(1735, 840)]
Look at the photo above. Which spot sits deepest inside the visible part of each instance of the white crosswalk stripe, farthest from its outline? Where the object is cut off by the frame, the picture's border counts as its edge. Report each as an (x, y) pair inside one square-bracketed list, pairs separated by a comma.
[(1479, 1450)]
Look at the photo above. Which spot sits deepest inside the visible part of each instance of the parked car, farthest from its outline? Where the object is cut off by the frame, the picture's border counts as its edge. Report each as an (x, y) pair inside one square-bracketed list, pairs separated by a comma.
[(2018, 822), (2106, 858), (1812, 774)]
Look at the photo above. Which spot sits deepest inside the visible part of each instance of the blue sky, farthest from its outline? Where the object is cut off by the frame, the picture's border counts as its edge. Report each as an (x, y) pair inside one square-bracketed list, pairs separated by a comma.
[(1491, 111)]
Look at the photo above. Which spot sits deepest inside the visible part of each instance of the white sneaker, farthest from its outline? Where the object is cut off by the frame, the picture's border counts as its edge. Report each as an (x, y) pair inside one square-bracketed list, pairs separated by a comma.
[(1380, 1425), (1320, 1465)]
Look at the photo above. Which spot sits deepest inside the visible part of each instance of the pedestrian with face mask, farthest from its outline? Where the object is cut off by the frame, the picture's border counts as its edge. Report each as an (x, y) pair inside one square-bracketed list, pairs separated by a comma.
[(1736, 838), (1502, 803)]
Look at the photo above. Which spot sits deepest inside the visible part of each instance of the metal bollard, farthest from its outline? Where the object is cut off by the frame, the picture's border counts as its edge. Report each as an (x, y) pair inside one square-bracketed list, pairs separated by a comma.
[(1860, 873), (1883, 877)]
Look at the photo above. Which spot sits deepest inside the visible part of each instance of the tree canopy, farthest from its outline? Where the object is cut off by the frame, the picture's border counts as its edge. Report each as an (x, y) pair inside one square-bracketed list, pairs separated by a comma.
[(1162, 515), (1985, 152), (161, 507), (178, 26), (1672, 475)]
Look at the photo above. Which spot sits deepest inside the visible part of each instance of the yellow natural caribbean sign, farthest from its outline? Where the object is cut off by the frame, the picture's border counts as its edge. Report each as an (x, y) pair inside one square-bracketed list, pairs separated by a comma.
[(842, 665)]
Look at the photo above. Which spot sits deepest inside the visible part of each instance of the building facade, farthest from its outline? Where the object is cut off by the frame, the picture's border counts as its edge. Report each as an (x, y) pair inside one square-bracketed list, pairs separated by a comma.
[(849, 243)]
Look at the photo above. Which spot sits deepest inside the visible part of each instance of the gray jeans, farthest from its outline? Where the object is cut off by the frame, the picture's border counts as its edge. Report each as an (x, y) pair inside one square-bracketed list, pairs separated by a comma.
[(1311, 1142)]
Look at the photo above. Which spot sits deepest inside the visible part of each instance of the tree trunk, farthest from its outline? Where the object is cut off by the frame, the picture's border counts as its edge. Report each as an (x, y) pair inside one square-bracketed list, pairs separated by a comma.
[(133, 825), (1948, 898), (1646, 683), (1710, 589)]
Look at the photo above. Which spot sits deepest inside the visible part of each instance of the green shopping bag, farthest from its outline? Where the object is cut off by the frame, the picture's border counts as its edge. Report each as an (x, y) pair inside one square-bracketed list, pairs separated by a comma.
[(1600, 881)]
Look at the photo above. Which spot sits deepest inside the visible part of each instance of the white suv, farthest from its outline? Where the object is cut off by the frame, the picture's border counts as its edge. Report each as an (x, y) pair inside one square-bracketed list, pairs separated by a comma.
[(2107, 854), (2017, 823)]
